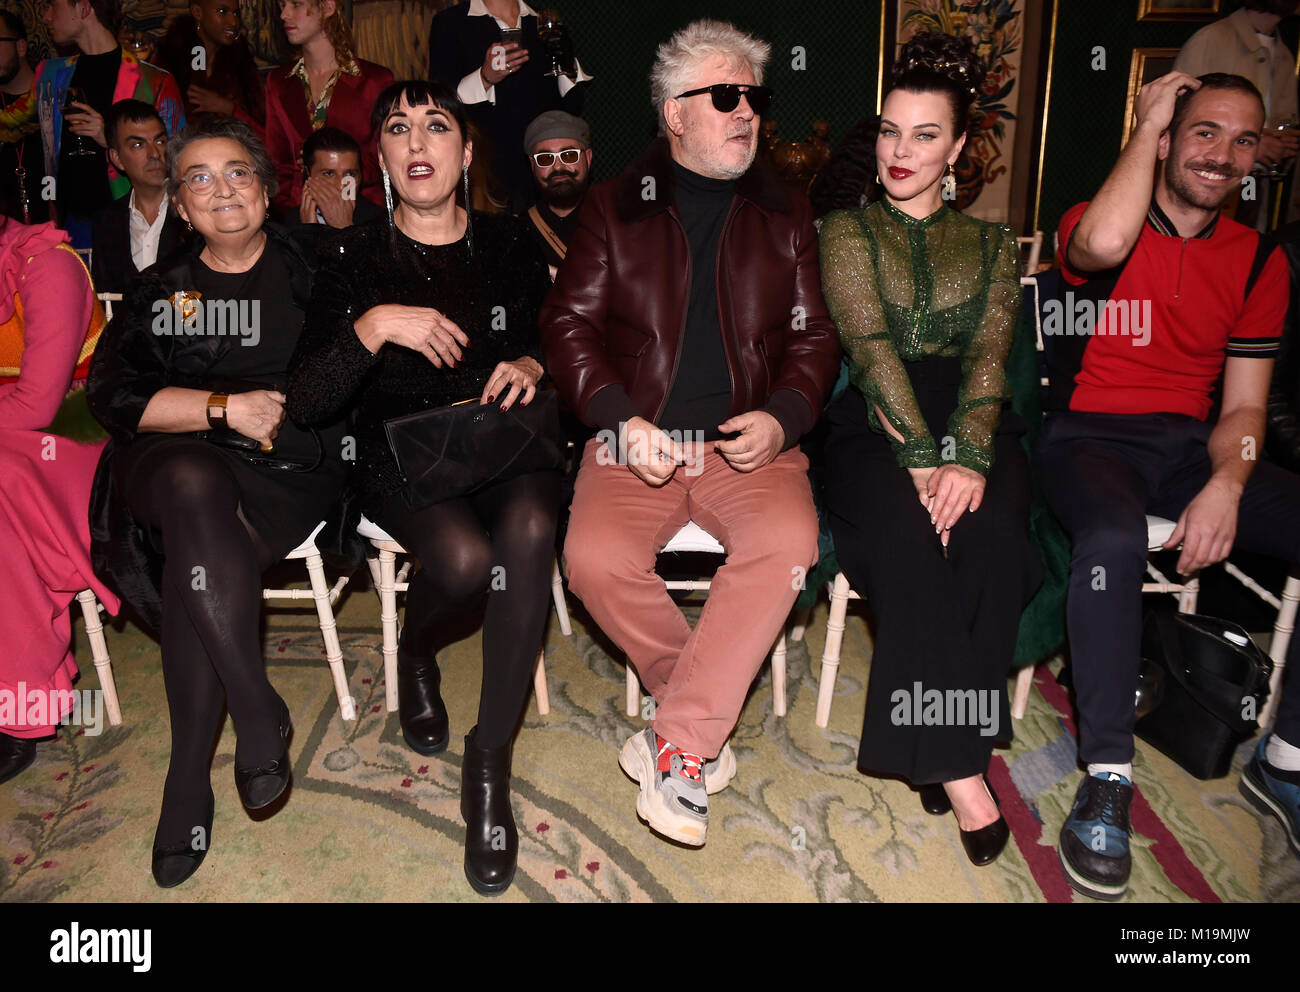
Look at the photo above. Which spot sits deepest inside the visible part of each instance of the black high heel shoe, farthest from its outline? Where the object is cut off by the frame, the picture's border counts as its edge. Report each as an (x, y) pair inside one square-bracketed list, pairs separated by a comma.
[(261, 786), (984, 844), (934, 799), (174, 863), (491, 839), (420, 709)]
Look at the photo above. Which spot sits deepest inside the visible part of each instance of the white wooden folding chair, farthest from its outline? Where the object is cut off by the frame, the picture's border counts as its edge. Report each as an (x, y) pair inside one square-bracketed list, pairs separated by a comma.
[(90, 610), (325, 596), (694, 538), (389, 582), (108, 299)]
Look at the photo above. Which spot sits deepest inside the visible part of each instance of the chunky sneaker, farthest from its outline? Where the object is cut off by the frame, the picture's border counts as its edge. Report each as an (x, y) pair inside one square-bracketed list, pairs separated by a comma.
[(1094, 838), (719, 772), (1273, 791), (672, 798)]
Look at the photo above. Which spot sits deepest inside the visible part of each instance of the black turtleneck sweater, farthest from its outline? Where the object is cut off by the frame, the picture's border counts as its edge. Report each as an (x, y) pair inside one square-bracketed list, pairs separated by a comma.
[(701, 392)]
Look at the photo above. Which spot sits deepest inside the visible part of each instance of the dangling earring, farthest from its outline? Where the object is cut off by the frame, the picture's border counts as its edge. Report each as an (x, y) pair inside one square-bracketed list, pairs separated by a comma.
[(388, 196), (952, 172), (469, 222)]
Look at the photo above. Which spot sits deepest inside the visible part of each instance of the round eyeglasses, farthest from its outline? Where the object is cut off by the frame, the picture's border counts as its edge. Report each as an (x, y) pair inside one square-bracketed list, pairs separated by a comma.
[(202, 182)]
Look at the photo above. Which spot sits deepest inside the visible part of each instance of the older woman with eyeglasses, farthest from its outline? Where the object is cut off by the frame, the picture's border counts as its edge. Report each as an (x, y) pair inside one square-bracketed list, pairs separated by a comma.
[(204, 483)]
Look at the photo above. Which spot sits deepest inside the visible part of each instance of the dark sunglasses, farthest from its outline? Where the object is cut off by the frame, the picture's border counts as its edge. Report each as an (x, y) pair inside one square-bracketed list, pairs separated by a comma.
[(726, 97)]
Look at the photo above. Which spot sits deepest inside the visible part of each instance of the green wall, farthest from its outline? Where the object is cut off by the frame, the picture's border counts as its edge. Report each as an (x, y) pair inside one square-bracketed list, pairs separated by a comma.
[(616, 42)]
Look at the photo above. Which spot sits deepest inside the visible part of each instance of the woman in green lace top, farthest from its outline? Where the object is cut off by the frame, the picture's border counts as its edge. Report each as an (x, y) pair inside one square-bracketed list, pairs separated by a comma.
[(927, 487)]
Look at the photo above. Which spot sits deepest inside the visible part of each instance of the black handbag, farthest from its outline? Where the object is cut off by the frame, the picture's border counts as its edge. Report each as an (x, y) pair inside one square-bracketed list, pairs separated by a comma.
[(1215, 684), (456, 450), (248, 448)]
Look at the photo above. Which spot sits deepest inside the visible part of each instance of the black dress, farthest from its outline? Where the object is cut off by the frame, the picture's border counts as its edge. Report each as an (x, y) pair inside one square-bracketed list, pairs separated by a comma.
[(463, 543), (926, 309), (131, 363)]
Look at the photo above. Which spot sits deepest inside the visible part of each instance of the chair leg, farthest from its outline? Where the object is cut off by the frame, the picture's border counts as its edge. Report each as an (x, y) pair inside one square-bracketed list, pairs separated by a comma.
[(320, 592), (1277, 648), (1187, 599), (800, 618), (557, 594), (373, 562), (99, 654), (539, 684), (831, 654), (1020, 700), (778, 675), (633, 689), (388, 621)]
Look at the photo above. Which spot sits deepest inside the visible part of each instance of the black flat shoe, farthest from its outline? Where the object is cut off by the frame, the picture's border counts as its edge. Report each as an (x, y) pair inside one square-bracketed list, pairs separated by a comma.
[(174, 863), (16, 753), (419, 704), (984, 844), (934, 799), (261, 786), (491, 840)]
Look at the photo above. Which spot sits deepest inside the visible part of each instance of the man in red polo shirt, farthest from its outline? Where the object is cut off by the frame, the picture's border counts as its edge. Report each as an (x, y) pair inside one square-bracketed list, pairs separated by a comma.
[(1162, 295)]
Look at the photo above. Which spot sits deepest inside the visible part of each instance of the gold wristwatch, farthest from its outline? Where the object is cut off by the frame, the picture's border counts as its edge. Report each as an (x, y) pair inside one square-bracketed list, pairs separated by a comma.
[(217, 410)]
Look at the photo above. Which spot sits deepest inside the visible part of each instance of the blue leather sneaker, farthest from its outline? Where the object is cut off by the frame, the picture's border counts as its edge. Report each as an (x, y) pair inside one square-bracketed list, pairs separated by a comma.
[(1273, 791)]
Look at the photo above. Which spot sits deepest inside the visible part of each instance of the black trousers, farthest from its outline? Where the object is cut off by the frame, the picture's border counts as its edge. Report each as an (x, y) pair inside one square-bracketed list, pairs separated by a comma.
[(1102, 474), (945, 624)]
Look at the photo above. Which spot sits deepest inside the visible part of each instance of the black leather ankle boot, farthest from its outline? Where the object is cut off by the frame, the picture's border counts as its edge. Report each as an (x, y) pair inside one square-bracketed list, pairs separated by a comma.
[(491, 840), (419, 703)]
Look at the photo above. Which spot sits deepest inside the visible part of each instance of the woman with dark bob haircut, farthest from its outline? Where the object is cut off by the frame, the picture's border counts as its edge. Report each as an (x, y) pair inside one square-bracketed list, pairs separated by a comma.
[(927, 485), (205, 483), (434, 306)]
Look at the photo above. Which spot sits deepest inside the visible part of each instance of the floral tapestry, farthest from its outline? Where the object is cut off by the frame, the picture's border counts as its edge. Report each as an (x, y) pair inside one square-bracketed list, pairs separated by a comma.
[(995, 28)]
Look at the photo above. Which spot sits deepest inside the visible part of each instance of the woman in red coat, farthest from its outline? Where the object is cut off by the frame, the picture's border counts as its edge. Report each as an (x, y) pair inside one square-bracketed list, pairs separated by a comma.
[(327, 85)]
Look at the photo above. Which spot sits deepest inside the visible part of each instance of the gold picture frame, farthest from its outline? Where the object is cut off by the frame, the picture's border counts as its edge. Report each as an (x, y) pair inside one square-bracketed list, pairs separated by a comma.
[(1147, 64), (1179, 10)]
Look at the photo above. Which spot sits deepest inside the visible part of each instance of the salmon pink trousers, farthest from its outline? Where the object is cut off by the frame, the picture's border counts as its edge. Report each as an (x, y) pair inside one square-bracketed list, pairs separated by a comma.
[(767, 522)]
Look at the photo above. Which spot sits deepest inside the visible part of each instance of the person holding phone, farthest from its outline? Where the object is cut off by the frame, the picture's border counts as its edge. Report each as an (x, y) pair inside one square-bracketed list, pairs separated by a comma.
[(490, 51), (73, 95)]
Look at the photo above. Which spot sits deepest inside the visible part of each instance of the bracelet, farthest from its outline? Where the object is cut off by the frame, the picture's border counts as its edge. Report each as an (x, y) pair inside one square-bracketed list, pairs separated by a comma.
[(217, 410)]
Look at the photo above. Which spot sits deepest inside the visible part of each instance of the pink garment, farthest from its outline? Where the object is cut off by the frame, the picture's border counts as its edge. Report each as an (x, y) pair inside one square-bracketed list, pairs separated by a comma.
[(57, 300), (44, 480), (45, 559)]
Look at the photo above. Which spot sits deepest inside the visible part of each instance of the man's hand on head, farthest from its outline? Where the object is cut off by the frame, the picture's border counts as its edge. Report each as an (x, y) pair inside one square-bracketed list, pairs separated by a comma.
[(1154, 107)]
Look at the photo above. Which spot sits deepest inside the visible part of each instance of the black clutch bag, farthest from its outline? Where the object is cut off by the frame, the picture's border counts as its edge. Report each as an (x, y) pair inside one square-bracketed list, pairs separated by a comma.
[(251, 450), (456, 450), (1215, 684)]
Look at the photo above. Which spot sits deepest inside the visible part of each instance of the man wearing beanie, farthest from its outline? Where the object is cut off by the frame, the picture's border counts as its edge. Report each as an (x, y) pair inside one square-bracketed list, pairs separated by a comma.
[(558, 146)]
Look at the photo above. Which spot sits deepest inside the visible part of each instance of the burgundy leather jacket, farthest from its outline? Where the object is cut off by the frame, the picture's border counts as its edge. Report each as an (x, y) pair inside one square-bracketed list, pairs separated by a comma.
[(612, 325)]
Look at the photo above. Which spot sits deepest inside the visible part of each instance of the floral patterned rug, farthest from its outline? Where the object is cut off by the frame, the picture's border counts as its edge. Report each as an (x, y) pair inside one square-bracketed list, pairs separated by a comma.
[(368, 819)]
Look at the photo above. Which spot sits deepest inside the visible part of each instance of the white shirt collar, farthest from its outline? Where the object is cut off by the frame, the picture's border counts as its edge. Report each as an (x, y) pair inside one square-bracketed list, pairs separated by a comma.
[(478, 9)]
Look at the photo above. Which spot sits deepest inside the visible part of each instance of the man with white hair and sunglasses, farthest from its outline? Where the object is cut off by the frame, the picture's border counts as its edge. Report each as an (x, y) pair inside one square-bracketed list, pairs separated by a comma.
[(687, 324)]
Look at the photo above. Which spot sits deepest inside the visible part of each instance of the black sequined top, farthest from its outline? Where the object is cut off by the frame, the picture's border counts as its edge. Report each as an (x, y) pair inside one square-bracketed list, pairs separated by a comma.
[(493, 297)]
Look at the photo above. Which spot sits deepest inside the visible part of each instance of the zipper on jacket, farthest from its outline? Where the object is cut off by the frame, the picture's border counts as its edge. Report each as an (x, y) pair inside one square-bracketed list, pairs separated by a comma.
[(735, 336), (681, 334)]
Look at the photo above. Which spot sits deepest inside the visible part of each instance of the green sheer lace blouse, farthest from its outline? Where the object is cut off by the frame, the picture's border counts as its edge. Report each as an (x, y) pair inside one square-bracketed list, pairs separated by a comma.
[(901, 289)]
